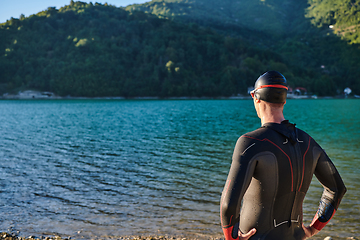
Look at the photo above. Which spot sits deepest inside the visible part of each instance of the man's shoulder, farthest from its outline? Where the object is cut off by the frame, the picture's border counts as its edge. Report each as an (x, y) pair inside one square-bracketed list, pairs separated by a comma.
[(249, 142), (257, 134), (273, 134), (302, 133), (249, 138)]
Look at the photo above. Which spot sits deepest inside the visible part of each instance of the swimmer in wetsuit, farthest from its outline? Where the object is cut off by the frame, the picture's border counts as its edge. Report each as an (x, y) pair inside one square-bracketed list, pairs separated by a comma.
[(271, 171)]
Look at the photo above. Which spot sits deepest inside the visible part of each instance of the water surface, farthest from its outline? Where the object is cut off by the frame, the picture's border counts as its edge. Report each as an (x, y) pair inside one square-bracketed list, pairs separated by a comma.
[(86, 168)]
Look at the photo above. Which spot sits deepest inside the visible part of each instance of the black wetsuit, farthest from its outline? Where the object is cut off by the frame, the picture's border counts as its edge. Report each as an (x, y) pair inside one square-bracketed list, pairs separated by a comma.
[(271, 171)]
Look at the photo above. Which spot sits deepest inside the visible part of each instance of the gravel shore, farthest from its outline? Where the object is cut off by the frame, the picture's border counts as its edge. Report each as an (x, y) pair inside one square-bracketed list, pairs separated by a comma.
[(12, 236)]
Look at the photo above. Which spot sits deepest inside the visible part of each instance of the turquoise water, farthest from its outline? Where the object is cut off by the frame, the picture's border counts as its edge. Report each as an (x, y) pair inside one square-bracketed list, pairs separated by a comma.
[(87, 168)]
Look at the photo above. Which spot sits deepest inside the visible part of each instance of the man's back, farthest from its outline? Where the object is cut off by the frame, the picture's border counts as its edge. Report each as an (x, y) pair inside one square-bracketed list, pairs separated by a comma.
[(271, 172)]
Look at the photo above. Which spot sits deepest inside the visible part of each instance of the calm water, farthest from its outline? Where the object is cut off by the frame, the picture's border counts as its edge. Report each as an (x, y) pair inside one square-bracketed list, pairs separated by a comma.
[(92, 168)]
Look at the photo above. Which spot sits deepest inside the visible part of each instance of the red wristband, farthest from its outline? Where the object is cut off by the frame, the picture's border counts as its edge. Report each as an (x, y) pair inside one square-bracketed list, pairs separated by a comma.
[(228, 233), (320, 225)]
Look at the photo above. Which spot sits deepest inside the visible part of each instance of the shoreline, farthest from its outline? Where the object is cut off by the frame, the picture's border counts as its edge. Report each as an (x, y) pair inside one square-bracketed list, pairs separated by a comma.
[(16, 97), (38, 95)]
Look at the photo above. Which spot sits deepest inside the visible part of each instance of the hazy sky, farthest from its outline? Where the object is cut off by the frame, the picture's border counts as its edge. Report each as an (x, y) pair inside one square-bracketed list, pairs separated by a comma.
[(14, 8)]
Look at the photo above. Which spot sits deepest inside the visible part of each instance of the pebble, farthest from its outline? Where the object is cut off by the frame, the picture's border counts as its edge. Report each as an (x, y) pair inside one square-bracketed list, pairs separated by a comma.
[(8, 236)]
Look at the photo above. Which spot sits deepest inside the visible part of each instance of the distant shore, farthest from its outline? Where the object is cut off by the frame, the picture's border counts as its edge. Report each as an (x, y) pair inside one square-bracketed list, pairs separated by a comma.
[(31, 94)]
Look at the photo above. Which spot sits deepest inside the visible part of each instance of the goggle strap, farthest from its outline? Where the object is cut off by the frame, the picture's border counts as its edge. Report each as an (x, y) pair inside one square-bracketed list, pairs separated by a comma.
[(273, 86)]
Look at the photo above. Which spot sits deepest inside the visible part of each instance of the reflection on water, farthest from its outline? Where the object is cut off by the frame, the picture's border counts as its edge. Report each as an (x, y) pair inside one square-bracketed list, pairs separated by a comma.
[(101, 167)]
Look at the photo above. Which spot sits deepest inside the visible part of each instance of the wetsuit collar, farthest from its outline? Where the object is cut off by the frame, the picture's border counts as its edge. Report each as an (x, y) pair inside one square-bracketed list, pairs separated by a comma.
[(285, 128)]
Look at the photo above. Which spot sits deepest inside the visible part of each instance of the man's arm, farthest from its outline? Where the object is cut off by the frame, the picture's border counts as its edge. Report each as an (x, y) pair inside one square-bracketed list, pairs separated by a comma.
[(334, 190), (240, 174)]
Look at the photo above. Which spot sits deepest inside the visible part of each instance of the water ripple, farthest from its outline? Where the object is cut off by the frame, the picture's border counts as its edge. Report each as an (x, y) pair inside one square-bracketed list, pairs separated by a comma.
[(133, 167)]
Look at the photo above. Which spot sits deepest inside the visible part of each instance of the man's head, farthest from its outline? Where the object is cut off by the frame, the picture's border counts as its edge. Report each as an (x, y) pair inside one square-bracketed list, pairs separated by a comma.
[(270, 96), (270, 87)]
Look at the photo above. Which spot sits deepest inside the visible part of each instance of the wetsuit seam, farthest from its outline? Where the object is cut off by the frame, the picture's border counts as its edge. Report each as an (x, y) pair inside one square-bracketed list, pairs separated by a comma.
[(255, 157), (291, 167), (247, 148), (316, 160), (274, 197), (243, 190), (303, 166)]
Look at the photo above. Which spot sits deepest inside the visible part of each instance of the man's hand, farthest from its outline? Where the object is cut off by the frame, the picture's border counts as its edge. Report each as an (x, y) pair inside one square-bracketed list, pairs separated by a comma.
[(247, 235), (309, 231)]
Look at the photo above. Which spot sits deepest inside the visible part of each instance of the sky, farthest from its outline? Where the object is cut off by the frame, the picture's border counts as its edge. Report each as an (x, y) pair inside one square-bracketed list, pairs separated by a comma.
[(14, 8)]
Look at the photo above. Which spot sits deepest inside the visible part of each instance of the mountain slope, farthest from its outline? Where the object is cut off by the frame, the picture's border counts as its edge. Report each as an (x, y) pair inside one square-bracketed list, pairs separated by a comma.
[(289, 28), (270, 16), (275, 17), (100, 50), (343, 16)]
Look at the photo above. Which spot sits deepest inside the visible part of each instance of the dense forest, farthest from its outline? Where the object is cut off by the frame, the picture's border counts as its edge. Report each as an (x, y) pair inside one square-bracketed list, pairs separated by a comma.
[(271, 16), (343, 17), (277, 17), (317, 35), (100, 50)]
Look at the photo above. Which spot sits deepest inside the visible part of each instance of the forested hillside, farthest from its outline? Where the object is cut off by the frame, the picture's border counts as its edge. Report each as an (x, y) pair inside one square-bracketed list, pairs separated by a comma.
[(342, 16), (101, 50), (299, 31), (270, 16), (275, 17)]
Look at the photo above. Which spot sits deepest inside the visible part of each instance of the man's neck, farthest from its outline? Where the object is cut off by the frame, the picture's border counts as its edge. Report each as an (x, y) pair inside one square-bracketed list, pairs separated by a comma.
[(271, 115), (272, 119)]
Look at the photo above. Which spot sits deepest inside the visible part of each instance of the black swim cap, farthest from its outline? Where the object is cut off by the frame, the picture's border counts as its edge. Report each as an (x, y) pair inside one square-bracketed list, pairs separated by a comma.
[(271, 87)]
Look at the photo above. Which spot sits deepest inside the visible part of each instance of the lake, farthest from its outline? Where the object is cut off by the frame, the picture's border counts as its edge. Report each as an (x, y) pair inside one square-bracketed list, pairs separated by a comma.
[(103, 168)]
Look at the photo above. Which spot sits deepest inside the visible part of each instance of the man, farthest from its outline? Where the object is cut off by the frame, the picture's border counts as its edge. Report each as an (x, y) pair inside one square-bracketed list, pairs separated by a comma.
[(271, 171)]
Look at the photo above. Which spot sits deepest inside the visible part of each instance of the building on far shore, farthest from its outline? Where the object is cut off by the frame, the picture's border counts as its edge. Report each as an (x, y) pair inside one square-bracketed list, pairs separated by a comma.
[(29, 94), (298, 92)]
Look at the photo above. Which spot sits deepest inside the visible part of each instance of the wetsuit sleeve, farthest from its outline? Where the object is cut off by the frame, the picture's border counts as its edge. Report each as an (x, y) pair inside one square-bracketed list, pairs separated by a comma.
[(334, 190), (240, 174)]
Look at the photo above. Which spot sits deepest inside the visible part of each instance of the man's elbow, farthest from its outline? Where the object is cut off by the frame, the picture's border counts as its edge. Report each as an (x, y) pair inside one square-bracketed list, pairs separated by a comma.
[(227, 211), (342, 190)]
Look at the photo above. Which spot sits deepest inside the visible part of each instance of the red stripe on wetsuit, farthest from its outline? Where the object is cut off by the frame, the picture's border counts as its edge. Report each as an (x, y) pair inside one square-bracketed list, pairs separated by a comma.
[(291, 168)]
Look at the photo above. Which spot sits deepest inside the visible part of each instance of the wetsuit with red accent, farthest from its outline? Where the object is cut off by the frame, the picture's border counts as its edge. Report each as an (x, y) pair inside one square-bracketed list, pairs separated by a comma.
[(271, 171)]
